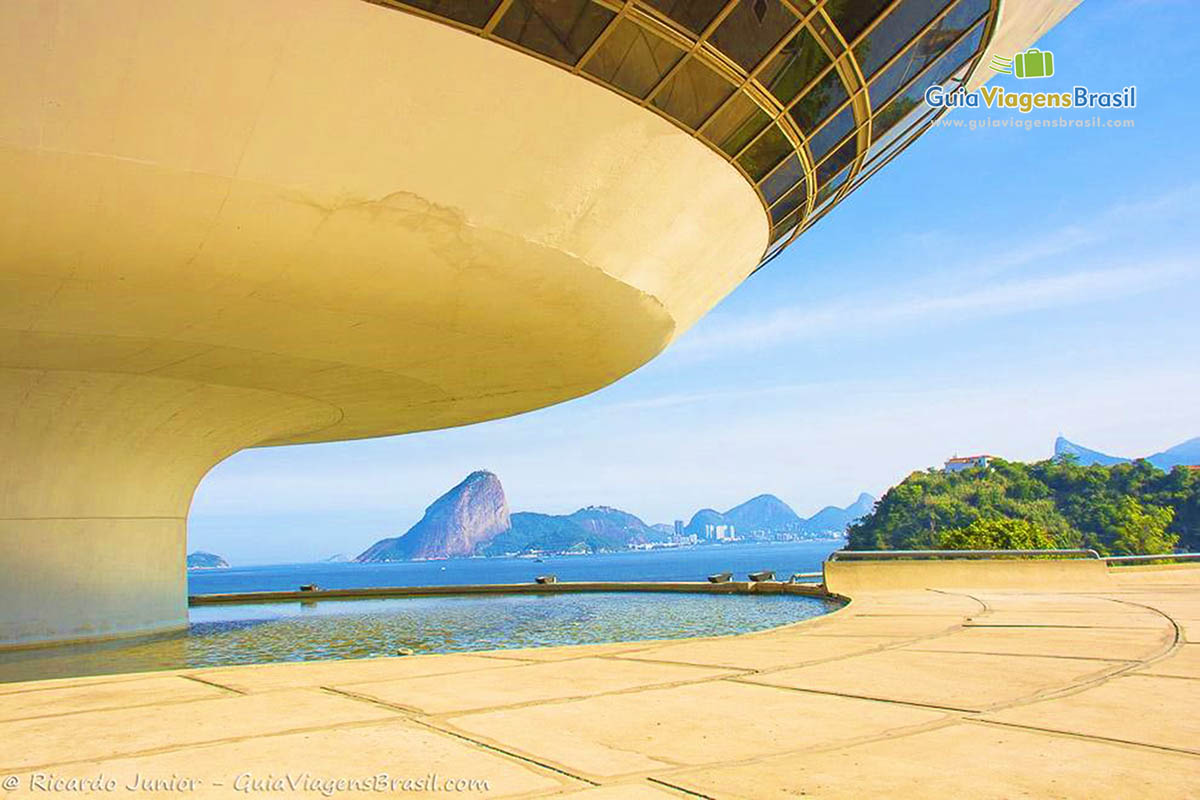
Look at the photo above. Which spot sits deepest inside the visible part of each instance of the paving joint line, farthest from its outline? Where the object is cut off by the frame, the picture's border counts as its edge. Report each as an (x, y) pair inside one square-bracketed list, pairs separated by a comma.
[(1023, 655), (426, 721), (154, 751), (214, 684), (890, 701), (1085, 736), (680, 789)]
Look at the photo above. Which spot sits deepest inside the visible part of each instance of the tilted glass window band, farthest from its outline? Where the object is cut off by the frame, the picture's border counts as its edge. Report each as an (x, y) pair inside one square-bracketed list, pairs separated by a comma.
[(800, 60), (926, 49), (470, 12), (785, 176), (835, 131), (560, 29), (827, 83), (633, 59), (852, 16), (938, 71), (789, 42), (897, 28), (910, 94), (736, 125), (888, 117), (766, 152), (823, 71), (693, 93), (876, 160), (823, 76), (904, 135), (694, 15), (881, 158), (789, 203), (905, 125), (752, 29)]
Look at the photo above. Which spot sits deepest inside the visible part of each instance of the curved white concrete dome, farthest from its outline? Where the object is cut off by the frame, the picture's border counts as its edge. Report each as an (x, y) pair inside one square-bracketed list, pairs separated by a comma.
[(405, 223), (227, 224)]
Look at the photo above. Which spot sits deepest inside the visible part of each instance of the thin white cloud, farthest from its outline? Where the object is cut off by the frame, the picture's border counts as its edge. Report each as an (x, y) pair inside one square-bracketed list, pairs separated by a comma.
[(1119, 221), (691, 398), (800, 323)]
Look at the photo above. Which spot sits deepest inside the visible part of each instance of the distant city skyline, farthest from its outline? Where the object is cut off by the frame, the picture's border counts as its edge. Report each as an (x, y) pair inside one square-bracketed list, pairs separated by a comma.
[(988, 290)]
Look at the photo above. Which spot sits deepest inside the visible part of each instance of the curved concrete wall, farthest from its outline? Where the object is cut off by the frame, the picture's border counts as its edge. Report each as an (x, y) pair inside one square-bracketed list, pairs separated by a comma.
[(228, 224), (848, 577), (328, 198)]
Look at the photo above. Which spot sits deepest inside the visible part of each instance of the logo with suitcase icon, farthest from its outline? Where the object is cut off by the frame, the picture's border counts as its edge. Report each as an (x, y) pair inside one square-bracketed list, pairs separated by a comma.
[(1033, 63)]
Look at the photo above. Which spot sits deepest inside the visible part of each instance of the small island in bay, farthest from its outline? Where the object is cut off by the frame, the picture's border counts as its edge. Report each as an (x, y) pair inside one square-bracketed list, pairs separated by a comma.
[(203, 560)]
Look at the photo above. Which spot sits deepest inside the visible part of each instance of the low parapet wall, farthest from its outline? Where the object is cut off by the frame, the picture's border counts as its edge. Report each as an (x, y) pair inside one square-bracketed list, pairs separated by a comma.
[(847, 577), (730, 587)]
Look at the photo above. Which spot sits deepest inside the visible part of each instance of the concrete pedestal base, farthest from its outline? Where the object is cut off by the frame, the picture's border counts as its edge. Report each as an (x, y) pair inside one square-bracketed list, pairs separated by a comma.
[(97, 474)]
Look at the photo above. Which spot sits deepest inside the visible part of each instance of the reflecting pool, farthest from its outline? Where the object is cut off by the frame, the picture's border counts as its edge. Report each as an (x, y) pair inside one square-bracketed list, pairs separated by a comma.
[(255, 633)]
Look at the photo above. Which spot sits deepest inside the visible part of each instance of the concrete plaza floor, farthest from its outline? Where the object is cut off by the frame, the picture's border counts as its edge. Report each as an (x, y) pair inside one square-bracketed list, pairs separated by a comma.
[(965, 693)]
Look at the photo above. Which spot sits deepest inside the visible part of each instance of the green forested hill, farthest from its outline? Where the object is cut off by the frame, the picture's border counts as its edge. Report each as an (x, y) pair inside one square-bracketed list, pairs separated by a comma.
[(1121, 509)]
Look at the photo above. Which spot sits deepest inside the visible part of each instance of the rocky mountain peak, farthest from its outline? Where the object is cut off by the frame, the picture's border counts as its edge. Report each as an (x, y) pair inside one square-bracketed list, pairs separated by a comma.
[(463, 519)]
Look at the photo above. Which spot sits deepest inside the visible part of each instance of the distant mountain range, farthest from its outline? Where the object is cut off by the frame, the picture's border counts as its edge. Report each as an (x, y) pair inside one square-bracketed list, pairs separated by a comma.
[(1184, 454), (832, 519), (767, 513), (202, 560), (472, 519)]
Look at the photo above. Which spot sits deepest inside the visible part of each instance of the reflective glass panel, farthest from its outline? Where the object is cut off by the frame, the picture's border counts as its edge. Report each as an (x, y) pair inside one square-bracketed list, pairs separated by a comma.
[(788, 224), (765, 153), (903, 126), (695, 15), (926, 49), (831, 133), (472, 12), (560, 29), (840, 158), (914, 95), (693, 93), (782, 179), (633, 59), (736, 124), (900, 133), (793, 67), (816, 104), (894, 32), (749, 32), (789, 203), (829, 188), (852, 16)]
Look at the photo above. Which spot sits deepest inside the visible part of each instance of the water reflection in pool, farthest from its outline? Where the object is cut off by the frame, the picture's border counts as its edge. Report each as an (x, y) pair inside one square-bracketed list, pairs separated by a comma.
[(303, 631)]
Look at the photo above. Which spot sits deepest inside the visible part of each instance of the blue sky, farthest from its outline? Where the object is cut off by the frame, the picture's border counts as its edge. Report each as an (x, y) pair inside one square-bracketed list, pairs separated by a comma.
[(984, 292)]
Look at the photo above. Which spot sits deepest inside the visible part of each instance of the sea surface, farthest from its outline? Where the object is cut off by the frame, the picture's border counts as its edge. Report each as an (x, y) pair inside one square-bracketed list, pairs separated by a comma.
[(668, 564), (254, 633)]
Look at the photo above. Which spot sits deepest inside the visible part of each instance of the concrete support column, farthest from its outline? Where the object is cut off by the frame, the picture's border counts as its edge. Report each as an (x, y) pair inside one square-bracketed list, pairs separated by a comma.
[(97, 471)]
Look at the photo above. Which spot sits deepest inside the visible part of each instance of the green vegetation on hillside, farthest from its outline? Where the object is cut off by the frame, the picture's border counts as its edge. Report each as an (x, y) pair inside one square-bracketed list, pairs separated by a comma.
[(1122, 509)]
